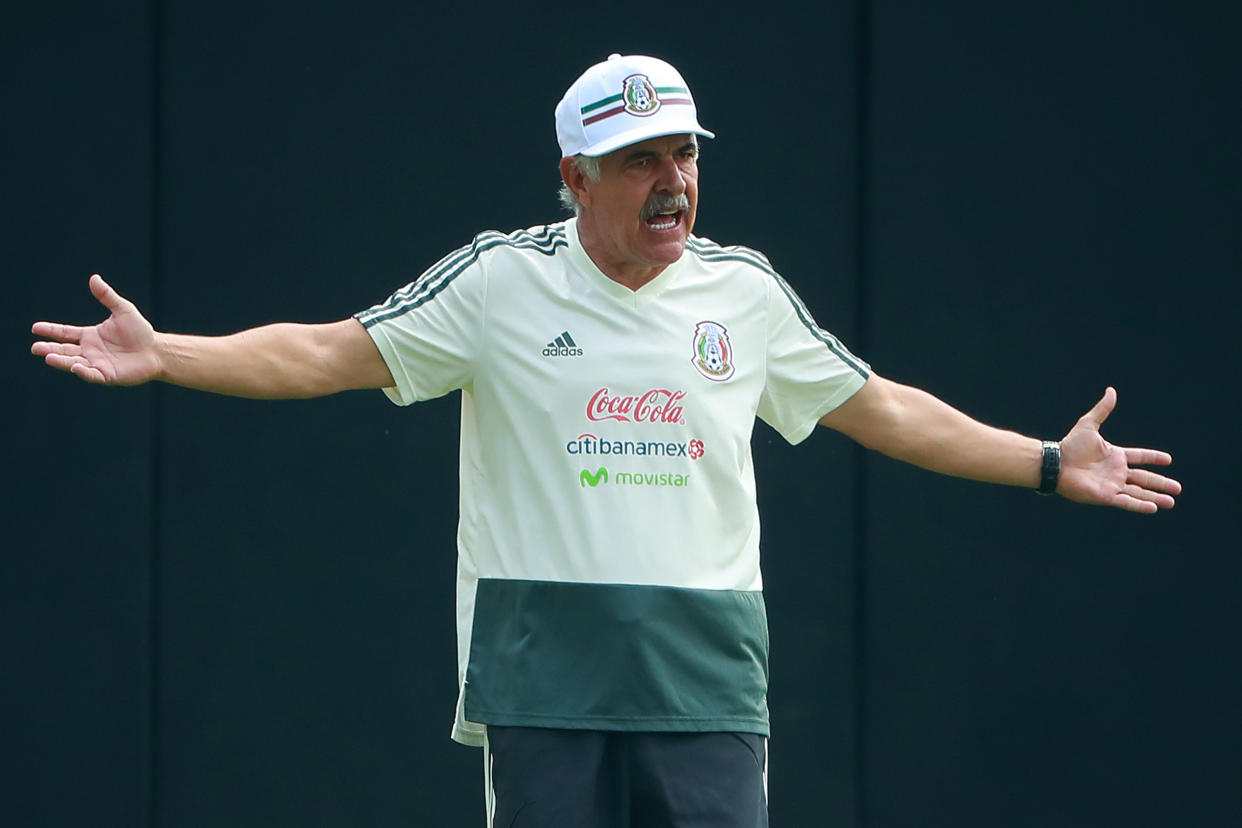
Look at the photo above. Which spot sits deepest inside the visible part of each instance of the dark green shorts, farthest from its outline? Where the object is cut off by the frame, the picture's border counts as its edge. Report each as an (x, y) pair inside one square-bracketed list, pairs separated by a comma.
[(544, 778)]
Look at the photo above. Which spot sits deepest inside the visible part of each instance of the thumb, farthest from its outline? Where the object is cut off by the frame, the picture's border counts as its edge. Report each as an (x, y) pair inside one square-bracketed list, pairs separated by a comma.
[(107, 297), (1100, 411)]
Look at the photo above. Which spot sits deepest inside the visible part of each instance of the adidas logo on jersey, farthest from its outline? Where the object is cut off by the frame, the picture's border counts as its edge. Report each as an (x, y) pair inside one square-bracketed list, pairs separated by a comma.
[(563, 345)]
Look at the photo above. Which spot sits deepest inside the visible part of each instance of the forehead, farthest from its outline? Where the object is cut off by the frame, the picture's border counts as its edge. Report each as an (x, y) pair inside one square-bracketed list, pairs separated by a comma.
[(662, 145)]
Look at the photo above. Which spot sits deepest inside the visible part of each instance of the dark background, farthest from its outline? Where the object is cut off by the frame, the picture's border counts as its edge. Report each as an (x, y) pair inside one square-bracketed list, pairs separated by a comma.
[(226, 612)]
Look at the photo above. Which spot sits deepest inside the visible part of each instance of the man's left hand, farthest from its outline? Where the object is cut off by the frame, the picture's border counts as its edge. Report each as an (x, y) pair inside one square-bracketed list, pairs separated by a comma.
[(1097, 472)]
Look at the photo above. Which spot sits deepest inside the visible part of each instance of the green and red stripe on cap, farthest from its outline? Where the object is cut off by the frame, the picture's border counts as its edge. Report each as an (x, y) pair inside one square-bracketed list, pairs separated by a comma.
[(612, 99)]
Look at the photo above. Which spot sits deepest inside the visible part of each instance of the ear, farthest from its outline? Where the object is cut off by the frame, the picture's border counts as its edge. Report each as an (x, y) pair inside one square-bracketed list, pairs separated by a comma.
[(574, 179)]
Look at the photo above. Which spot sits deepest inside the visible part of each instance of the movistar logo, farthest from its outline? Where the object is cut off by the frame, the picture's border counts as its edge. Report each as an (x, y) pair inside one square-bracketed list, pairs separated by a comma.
[(563, 345), (678, 481), (593, 480)]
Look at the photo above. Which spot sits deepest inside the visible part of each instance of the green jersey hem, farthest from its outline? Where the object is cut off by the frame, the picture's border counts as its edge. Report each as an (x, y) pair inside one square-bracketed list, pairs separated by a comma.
[(617, 657)]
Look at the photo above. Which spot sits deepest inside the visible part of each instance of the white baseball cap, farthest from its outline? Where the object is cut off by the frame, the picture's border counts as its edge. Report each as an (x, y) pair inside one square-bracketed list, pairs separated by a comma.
[(624, 100)]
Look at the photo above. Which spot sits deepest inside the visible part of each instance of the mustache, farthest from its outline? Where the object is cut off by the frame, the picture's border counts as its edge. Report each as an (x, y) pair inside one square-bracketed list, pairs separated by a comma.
[(661, 202)]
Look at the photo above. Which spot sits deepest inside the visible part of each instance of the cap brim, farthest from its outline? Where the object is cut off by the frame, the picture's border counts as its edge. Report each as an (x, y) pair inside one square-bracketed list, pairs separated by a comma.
[(642, 133)]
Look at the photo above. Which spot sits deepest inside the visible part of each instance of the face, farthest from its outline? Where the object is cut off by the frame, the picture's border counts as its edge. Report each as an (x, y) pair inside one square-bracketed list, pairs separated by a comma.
[(637, 218)]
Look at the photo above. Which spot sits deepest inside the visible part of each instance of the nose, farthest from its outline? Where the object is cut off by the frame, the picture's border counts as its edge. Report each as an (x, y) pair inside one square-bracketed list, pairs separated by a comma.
[(671, 178)]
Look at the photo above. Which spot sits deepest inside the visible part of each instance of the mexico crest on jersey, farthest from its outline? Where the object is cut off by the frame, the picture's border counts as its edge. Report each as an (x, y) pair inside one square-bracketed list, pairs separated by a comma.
[(713, 353), (640, 96)]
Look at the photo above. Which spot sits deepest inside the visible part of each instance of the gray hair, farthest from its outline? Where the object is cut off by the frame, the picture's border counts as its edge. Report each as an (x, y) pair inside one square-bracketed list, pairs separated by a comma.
[(589, 166)]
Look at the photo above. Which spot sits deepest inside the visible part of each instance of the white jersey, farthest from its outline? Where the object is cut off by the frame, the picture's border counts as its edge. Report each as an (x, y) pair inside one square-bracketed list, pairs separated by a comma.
[(608, 544)]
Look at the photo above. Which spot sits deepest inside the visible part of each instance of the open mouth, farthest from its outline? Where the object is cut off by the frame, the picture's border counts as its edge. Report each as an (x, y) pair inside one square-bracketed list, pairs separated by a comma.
[(667, 220)]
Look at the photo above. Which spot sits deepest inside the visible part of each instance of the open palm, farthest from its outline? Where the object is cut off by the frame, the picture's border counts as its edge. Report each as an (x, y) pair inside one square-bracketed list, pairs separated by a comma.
[(118, 351), (1093, 470)]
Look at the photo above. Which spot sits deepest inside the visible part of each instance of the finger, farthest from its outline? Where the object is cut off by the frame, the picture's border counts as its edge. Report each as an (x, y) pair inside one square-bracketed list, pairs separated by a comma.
[(64, 362), (61, 348), (78, 366), (107, 297), (84, 371), (1100, 411), (1154, 482), (1147, 457), (57, 331), (1134, 504), (1159, 499)]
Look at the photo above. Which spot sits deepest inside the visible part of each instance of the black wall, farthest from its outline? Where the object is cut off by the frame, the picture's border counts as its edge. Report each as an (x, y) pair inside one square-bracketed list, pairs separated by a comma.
[(220, 611)]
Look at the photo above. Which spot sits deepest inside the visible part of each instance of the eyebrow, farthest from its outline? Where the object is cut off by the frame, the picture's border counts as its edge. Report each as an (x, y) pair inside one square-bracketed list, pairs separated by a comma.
[(638, 155)]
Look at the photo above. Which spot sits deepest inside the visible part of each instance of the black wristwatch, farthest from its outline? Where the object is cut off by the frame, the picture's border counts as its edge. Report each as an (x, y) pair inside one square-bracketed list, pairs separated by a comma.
[(1050, 469)]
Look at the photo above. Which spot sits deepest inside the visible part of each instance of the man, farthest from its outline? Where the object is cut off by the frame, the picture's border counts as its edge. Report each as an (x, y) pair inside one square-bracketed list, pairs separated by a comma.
[(611, 631)]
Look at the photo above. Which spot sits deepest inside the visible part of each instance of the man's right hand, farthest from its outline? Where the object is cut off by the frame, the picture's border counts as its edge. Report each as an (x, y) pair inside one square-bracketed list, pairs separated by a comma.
[(118, 351)]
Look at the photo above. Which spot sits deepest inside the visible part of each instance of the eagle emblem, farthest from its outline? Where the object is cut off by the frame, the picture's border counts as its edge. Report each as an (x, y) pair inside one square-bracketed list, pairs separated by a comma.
[(713, 353), (640, 96)]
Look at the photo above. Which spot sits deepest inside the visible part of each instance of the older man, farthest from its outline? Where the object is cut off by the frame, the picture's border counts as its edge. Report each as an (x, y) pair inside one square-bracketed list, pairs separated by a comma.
[(611, 628)]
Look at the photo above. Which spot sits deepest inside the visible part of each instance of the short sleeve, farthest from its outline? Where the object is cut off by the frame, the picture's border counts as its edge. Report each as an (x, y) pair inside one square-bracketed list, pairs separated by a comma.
[(808, 373), (427, 332)]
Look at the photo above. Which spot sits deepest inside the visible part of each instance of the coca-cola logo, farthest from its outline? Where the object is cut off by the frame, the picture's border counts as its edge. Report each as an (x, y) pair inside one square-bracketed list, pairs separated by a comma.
[(659, 405)]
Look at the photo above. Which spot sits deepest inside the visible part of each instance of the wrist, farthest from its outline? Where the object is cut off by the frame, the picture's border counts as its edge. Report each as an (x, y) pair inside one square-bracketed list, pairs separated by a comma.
[(162, 348)]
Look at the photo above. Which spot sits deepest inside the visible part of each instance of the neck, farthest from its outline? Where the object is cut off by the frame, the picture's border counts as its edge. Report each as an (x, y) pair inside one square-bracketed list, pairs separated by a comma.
[(629, 274), (632, 278)]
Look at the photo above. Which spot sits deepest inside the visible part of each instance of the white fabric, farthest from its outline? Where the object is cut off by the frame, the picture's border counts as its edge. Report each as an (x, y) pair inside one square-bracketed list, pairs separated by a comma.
[(677, 507), (624, 100)]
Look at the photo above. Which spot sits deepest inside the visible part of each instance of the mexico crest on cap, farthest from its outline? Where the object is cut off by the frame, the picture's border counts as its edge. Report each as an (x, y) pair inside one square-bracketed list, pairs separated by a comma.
[(713, 353), (639, 95)]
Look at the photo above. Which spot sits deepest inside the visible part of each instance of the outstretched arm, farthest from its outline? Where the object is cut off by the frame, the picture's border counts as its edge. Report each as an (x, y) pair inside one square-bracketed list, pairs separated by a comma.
[(912, 425), (279, 361)]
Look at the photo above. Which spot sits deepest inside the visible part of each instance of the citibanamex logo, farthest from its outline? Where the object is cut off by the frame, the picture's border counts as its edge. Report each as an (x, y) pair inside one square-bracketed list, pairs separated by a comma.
[(659, 405), (696, 449)]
